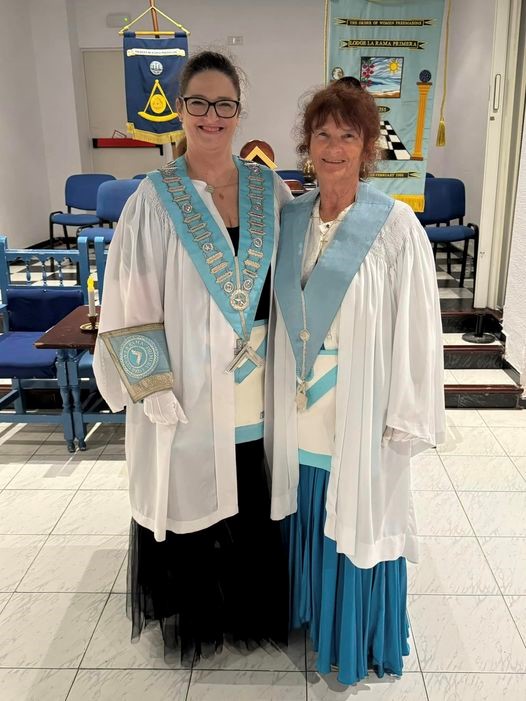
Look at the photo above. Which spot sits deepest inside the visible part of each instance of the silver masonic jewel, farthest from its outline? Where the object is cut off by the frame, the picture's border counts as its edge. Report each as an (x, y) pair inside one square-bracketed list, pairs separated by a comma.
[(239, 300), (244, 351), (301, 396)]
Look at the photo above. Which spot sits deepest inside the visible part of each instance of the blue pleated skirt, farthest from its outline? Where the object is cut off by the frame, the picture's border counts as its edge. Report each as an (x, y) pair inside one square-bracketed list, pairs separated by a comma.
[(356, 618)]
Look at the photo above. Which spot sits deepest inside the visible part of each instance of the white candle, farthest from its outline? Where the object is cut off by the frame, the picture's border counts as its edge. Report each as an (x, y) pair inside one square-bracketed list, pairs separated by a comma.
[(91, 297)]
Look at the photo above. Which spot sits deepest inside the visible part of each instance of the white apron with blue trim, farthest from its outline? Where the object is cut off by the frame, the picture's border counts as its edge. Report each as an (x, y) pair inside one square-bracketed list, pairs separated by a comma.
[(250, 389), (317, 423)]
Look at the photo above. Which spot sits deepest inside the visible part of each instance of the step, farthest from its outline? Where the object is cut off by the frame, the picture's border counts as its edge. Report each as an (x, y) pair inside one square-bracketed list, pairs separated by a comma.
[(458, 316), (464, 355), (481, 388), (476, 375)]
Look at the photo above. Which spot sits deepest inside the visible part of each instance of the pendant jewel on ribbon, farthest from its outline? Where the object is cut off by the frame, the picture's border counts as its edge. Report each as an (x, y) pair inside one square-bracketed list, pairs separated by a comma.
[(304, 336), (238, 296), (244, 351), (238, 293), (301, 396)]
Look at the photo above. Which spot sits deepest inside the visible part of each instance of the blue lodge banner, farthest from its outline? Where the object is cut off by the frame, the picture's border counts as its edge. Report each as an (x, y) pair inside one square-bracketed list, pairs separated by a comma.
[(151, 70), (392, 48)]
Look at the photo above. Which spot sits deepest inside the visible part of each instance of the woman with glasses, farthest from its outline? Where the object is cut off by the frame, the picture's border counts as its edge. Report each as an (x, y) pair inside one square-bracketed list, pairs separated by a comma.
[(182, 345), (358, 389)]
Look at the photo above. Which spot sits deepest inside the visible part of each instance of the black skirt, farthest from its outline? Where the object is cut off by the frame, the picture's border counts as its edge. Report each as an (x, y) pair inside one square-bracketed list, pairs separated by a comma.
[(226, 582)]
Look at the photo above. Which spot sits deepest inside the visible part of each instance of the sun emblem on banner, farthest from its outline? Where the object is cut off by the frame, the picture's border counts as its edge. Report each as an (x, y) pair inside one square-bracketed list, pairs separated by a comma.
[(158, 105)]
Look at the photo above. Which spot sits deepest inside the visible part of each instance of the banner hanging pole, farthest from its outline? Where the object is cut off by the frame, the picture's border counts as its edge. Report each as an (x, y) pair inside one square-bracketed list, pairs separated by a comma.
[(152, 8), (155, 21)]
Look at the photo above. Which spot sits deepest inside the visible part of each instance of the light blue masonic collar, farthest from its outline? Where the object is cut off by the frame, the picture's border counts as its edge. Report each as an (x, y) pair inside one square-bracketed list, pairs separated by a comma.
[(333, 273), (235, 285)]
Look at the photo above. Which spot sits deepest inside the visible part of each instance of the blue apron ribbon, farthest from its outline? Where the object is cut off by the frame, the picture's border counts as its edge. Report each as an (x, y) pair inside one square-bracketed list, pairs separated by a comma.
[(320, 388)]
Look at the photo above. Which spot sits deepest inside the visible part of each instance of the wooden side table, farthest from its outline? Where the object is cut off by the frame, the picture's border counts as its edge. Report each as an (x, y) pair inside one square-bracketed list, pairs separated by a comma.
[(69, 341)]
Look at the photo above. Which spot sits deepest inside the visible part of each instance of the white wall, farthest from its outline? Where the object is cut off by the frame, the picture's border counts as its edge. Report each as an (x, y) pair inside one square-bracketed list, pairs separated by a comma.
[(56, 92), (24, 191), (468, 85), (79, 87), (282, 53), (514, 321)]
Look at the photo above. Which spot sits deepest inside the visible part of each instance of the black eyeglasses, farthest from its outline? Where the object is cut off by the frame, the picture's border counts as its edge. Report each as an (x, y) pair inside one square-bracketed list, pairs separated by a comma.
[(199, 106), (348, 81)]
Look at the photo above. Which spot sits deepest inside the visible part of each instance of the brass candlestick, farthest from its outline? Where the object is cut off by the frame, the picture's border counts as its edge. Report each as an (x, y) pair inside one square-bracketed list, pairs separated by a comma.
[(92, 326)]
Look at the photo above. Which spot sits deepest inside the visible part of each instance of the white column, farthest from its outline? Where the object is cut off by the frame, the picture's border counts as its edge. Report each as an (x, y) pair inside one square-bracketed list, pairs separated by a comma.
[(514, 321)]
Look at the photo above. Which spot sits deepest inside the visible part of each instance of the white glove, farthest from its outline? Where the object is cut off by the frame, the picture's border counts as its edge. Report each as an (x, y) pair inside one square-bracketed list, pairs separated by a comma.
[(163, 408)]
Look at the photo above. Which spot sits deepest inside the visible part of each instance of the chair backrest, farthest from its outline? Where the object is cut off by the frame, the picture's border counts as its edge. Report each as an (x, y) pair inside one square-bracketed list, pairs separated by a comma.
[(263, 146), (38, 293), (112, 197), (445, 201), (139, 176), (101, 256), (40, 308), (291, 175), (81, 189), (295, 185)]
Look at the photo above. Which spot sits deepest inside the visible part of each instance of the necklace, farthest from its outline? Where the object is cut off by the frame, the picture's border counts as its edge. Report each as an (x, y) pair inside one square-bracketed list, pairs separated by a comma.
[(212, 188), (326, 228)]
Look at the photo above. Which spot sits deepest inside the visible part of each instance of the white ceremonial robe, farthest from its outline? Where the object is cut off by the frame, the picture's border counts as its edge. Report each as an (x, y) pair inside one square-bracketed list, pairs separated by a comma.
[(181, 479), (389, 383)]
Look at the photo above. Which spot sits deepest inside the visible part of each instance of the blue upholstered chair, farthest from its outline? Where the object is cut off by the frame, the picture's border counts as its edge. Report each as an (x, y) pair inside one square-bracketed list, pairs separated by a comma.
[(30, 306), (445, 201), (81, 193), (111, 198), (87, 405), (292, 175), (139, 176)]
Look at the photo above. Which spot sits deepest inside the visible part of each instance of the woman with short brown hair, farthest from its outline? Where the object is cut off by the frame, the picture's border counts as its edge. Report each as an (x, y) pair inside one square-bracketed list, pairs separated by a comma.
[(358, 389)]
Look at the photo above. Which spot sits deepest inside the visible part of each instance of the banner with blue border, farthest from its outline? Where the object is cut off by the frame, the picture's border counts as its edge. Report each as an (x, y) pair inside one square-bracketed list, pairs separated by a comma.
[(392, 48), (151, 70)]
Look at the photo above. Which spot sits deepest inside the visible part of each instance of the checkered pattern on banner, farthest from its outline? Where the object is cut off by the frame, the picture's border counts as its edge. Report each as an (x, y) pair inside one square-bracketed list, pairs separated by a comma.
[(391, 145)]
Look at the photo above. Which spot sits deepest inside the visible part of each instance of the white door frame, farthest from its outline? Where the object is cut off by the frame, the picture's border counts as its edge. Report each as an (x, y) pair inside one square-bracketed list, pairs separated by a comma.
[(495, 228)]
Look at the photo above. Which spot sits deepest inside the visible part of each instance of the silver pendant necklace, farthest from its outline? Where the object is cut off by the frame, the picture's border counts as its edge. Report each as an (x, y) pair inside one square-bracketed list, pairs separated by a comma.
[(212, 188)]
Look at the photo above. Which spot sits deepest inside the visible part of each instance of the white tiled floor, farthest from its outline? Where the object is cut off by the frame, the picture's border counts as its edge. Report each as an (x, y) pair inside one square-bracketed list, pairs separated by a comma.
[(63, 541), (455, 339), (477, 377)]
